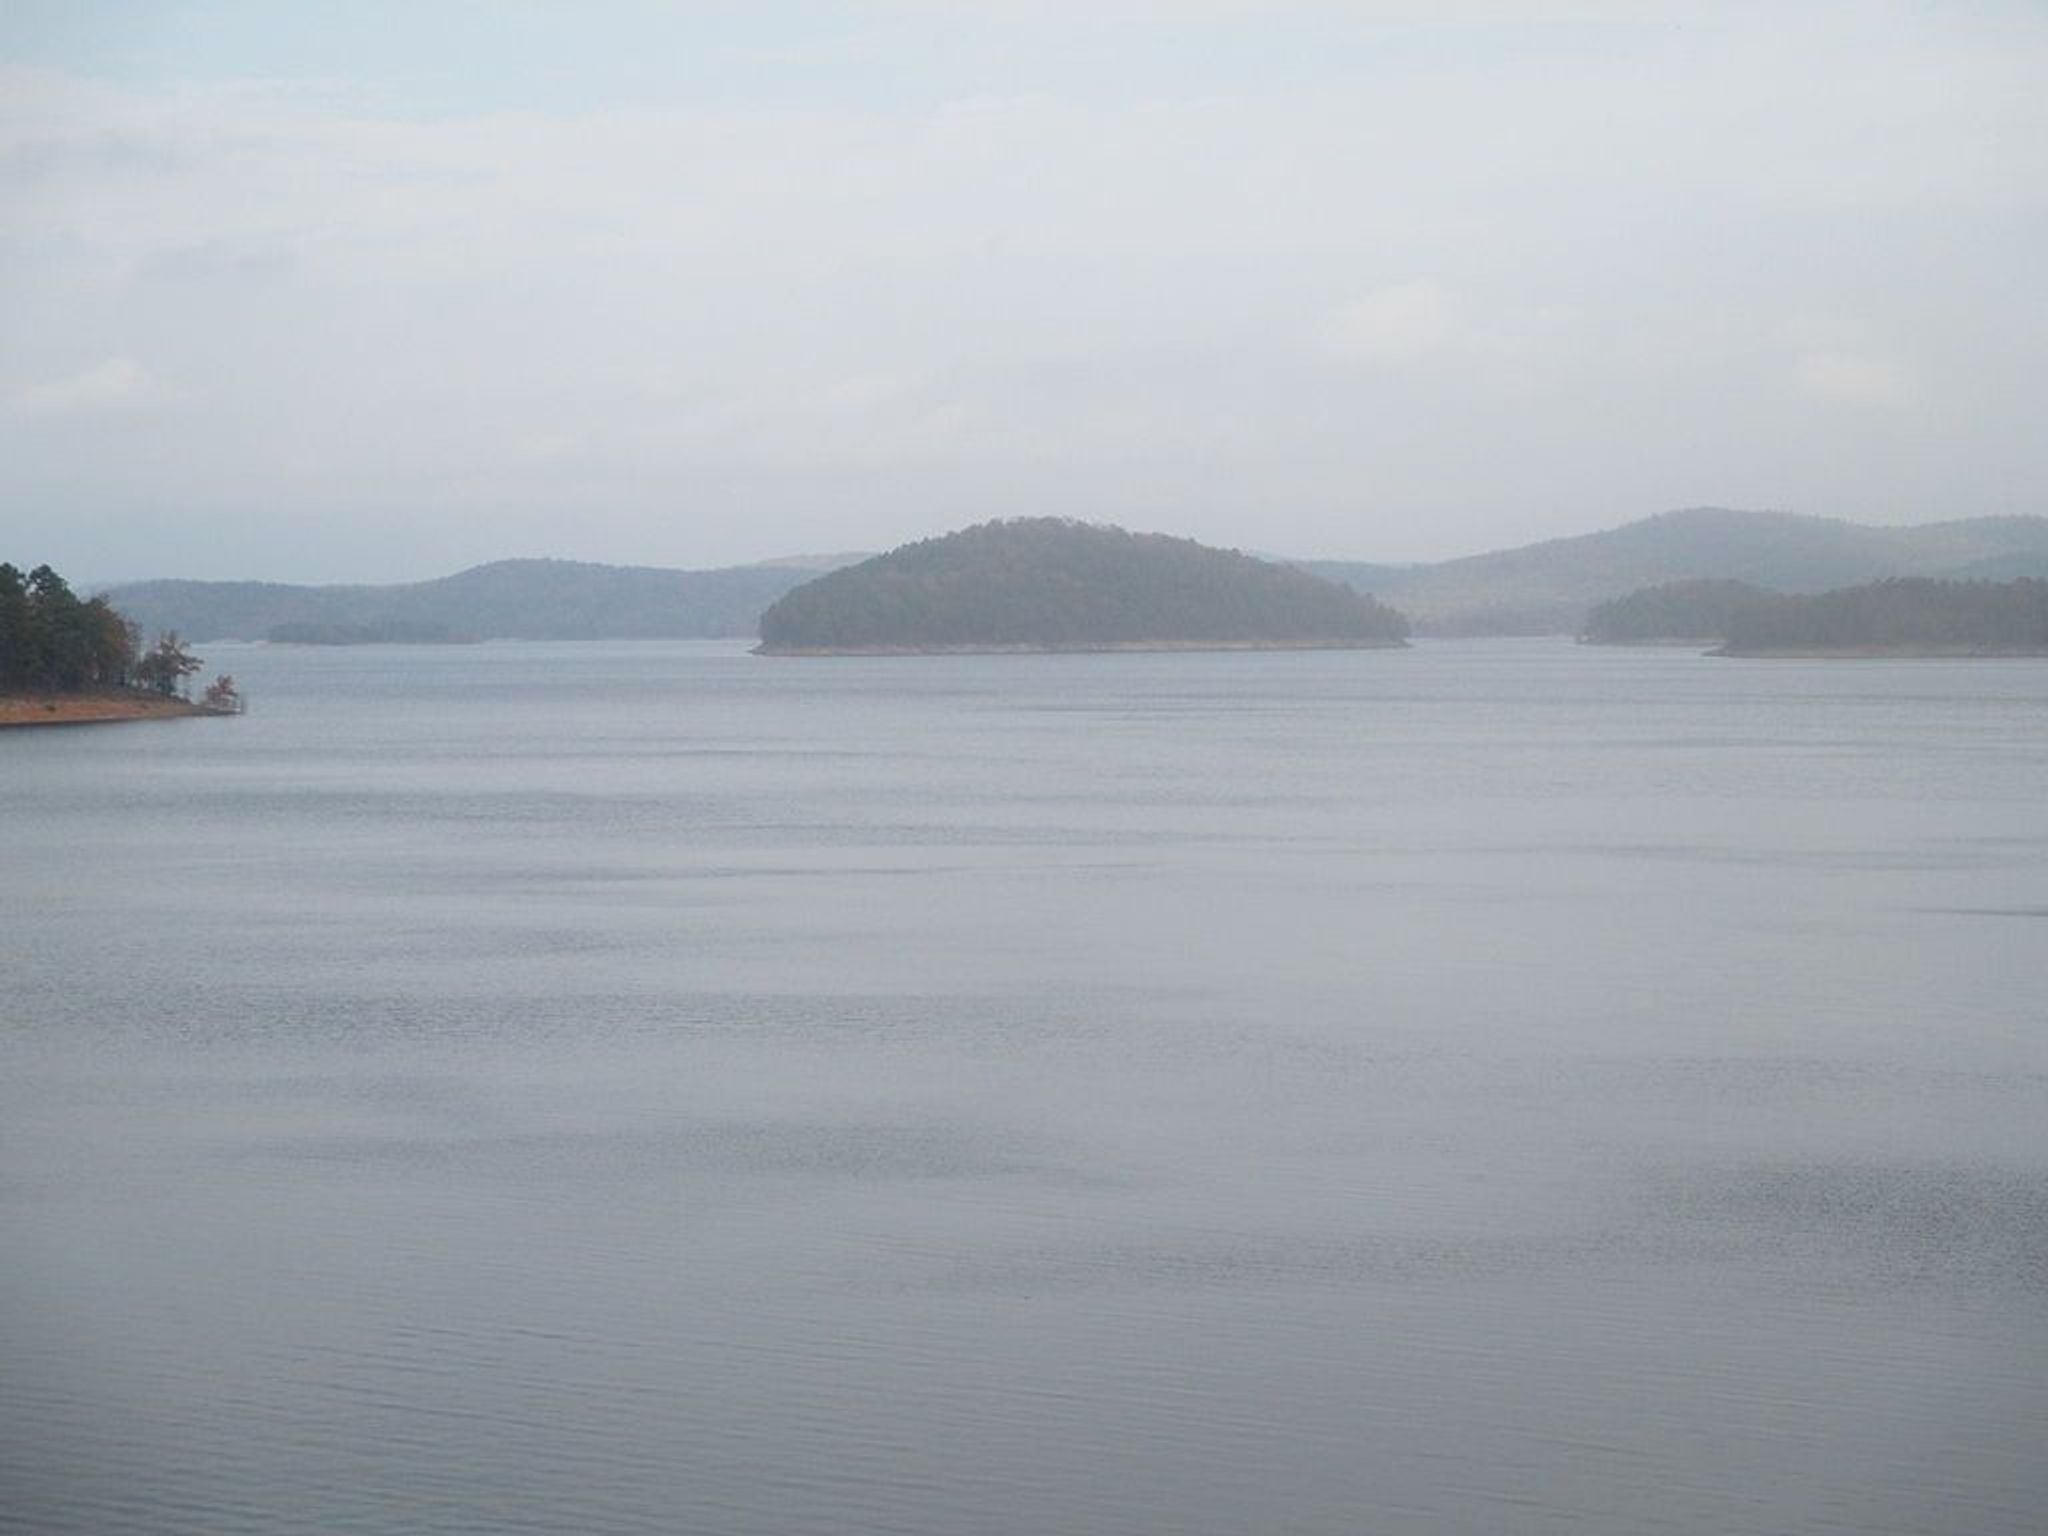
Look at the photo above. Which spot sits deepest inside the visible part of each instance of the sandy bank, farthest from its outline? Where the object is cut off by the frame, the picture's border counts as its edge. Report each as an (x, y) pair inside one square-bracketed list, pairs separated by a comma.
[(91, 708)]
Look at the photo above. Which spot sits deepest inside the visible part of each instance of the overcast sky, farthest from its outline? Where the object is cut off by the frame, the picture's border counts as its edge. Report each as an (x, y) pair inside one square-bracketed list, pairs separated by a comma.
[(375, 291)]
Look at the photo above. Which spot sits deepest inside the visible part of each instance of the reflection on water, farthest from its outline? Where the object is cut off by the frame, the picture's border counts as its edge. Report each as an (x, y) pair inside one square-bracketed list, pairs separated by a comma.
[(646, 1088)]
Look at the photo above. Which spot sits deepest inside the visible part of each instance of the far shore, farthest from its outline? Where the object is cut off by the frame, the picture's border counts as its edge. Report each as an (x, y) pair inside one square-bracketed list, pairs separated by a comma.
[(1662, 643), (1882, 653), (96, 708), (1089, 648)]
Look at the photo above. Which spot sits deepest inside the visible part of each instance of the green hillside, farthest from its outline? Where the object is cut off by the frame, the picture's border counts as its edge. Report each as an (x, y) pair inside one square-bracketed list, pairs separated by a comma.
[(1049, 584)]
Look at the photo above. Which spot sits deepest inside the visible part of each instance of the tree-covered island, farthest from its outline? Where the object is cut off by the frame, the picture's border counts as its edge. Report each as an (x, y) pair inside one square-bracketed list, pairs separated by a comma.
[(1048, 584), (66, 659)]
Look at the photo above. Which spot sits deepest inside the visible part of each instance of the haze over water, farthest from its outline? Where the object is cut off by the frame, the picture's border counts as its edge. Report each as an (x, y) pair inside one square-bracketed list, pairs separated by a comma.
[(630, 1088)]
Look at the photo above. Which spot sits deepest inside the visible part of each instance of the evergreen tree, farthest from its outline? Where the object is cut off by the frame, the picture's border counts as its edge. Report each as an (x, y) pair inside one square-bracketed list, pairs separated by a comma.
[(52, 642), (15, 621)]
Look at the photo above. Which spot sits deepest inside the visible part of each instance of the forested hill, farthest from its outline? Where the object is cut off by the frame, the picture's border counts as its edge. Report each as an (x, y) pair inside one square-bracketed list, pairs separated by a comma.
[(1548, 588), (1046, 583), (1678, 612), (1904, 617), (508, 599)]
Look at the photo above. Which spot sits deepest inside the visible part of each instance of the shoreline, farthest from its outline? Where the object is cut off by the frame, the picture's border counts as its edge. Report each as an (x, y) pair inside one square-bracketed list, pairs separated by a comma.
[(1668, 643), (98, 708), (1882, 653), (1085, 648)]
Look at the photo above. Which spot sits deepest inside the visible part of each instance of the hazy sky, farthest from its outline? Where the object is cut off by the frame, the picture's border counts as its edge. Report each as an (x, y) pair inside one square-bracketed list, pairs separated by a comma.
[(374, 291)]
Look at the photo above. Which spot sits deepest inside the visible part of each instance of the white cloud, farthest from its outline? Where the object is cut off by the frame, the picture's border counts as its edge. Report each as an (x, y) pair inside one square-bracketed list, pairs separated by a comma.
[(117, 384), (1268, 299)]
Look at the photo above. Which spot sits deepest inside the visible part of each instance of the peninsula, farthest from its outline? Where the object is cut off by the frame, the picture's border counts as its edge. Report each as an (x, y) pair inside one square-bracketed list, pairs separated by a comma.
[(71, 661), (1906, 617), (95, 706), (1048, 584), (1688, 613)]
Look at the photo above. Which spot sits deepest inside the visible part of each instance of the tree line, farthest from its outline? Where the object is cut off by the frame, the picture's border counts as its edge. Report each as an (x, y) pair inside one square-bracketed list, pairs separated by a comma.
[(1698, 611), (54, 641), (1904, 613)]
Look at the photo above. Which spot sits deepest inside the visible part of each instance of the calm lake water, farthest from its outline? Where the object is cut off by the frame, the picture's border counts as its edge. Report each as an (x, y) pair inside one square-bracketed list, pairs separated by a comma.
[(1496, 1087)]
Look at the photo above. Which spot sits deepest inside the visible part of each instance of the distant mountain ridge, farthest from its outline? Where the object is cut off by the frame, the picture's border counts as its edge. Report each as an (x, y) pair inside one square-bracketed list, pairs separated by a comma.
[(1543, 588), (1547, 588), (504, 600)]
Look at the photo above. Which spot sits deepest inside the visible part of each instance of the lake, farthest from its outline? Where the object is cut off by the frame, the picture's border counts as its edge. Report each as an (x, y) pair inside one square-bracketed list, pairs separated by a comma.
[(1492, 1087)]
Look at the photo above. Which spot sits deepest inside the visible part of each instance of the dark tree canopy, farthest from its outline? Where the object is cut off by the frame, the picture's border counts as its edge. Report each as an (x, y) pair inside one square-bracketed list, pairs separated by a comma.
[(1677, 610), (1047, 582), (1906, 614), (51, 641)]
